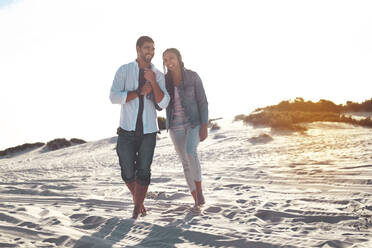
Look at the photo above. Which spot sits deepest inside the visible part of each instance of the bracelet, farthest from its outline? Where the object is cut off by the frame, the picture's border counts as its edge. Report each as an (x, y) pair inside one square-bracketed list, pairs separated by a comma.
[(138, 91)]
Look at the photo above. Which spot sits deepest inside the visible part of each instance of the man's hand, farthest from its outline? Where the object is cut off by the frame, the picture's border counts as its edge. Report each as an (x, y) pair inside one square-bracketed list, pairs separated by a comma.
[(150, 75), (146, 88), (203, 132)]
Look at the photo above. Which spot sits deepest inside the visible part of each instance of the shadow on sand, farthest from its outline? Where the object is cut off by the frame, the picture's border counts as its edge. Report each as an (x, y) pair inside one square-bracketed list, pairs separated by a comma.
[(130, 233)]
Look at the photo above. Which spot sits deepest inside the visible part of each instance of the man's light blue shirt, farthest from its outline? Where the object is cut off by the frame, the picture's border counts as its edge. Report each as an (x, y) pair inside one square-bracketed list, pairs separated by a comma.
[(126, 79)]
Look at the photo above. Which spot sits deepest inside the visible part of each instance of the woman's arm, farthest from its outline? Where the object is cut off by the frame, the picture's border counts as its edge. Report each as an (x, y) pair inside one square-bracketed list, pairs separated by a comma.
[(202, 102)]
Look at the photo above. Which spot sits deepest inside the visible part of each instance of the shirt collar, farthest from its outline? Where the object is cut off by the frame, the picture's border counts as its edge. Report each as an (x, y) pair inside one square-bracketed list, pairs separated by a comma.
[(135, 61)]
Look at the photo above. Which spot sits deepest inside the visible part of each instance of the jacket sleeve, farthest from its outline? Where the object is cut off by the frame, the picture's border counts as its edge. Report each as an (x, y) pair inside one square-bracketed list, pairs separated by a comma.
[(201, 99), (118, 95)]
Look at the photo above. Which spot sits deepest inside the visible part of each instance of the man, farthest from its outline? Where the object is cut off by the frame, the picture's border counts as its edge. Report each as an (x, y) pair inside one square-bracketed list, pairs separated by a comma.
[(139, 88)]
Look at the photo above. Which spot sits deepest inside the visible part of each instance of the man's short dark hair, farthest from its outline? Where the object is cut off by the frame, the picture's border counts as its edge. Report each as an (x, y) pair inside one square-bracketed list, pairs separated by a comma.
[(141, 40)]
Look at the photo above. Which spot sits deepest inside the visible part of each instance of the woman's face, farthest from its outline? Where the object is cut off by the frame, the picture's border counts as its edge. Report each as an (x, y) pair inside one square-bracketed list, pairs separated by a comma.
[(171, 61)]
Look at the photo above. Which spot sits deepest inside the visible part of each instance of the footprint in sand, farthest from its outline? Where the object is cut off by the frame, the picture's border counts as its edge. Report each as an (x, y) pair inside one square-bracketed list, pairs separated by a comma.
[(30, 225), (217, 188), (219, 136), (57, 241), (44, 212), (9, 219), (275, 216), (90, 222), (78, 217), (229, 214), (50, 221), (213, 210), (233, 186)]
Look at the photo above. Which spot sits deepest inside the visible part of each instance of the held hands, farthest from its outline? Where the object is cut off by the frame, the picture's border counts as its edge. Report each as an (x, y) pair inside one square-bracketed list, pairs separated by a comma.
[(146, 88), (203, 132), (150, 76)]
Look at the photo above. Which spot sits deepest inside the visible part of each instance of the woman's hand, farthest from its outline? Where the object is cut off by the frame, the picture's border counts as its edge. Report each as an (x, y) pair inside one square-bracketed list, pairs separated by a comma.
[(150, 76), (203, 132)]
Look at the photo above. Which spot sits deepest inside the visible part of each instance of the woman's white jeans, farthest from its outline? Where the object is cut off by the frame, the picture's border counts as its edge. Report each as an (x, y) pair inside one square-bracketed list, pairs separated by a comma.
[(185, 141)]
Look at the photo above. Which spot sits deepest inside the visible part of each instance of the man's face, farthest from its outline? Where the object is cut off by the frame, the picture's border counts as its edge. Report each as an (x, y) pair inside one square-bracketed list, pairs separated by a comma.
[(146, 52)]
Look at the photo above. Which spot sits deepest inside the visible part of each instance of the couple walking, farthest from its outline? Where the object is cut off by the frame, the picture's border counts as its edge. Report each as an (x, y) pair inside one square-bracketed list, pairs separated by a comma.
[(141, 89)]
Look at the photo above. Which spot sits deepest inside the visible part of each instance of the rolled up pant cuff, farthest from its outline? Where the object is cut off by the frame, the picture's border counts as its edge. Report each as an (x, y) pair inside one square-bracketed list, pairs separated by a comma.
[(129, 180), (143, 182)]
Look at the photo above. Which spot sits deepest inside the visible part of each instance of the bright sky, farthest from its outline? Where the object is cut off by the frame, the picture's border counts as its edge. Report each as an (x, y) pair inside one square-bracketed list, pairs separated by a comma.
[(58, 57)]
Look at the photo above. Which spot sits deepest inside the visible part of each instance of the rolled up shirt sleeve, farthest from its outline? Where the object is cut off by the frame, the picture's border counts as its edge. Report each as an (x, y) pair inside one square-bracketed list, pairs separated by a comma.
[(161, 82), (117, 93)]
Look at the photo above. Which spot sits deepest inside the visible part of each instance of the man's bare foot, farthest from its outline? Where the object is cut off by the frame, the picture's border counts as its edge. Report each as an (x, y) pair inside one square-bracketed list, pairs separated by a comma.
[(135, 215), (136, 212), (143, 210)]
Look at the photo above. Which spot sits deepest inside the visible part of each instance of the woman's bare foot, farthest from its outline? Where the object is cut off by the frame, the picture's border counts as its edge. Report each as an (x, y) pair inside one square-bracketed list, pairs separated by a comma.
[(201, 200), (195, 209), (199, 193)]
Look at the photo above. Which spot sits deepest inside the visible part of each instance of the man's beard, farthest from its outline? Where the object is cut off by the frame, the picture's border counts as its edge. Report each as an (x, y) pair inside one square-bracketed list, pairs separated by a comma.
[(146, 58)]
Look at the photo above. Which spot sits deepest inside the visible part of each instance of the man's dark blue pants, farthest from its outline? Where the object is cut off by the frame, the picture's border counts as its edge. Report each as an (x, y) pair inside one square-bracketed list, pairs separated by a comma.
[(135, 156)]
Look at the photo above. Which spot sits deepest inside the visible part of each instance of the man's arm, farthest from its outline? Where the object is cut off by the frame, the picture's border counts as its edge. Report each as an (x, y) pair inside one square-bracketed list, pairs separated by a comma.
[(131, 95), (118, 94), (157, 82)]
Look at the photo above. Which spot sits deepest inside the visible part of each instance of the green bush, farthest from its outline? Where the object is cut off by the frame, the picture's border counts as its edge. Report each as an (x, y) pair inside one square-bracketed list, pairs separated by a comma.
[(299, 104), (288, 114), (289, 120)]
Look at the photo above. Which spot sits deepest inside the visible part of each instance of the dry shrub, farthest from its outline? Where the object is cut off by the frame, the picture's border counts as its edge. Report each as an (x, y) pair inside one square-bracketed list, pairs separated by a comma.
[(289, 120)]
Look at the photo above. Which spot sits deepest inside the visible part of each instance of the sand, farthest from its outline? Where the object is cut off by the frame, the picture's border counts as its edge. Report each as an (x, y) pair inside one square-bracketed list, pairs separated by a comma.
[(262, 188)]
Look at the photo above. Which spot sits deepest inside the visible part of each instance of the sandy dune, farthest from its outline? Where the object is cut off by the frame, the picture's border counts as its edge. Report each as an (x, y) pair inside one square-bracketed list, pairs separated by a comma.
[(274, 190)]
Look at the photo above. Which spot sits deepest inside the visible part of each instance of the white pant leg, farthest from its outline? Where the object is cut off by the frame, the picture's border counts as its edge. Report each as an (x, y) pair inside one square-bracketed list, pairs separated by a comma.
[(179, 141), (192, 142)]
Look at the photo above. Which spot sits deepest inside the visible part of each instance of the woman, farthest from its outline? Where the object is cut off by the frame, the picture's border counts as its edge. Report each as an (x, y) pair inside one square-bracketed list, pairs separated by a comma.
[(187, 118)]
